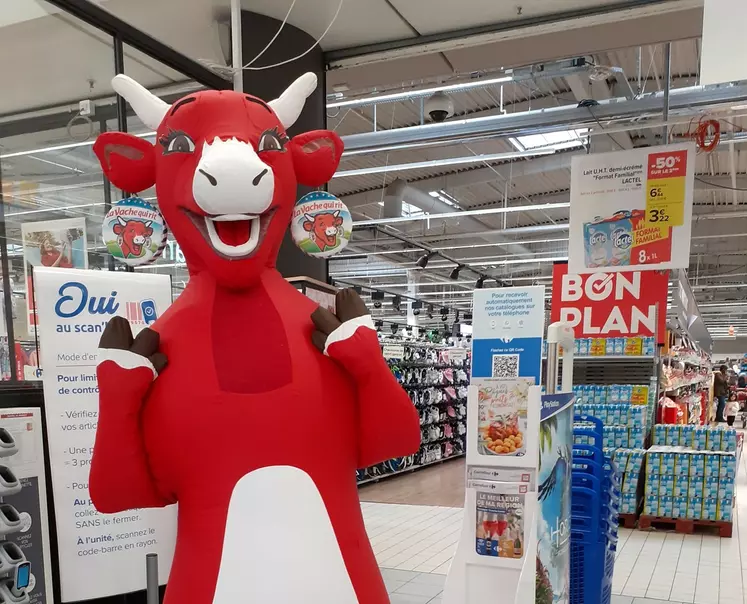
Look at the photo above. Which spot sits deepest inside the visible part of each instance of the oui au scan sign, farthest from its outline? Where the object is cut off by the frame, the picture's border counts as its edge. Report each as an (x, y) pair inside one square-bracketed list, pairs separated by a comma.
[(611, 305)]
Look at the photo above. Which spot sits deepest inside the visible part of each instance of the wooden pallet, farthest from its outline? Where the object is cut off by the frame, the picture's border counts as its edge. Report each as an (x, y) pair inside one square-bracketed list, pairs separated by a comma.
[(627, 520), (683, 525)]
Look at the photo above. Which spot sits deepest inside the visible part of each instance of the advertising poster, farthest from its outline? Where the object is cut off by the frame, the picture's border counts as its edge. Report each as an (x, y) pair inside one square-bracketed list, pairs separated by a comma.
[(55, 243), (501, 511), (100, 555), (23, 492), (605, 305), (554, 497), (502, 416), (508, 326), (631, 210)]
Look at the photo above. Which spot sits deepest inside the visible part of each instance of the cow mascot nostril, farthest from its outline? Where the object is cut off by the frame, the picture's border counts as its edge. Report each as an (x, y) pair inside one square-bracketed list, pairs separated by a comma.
[(267, 514)]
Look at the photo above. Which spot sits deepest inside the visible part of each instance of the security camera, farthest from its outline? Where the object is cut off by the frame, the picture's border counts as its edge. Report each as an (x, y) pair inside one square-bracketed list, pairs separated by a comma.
[(439, 106)]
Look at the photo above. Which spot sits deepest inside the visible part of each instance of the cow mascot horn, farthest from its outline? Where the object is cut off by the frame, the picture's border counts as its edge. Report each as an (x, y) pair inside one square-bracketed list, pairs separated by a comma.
[(245, 403)]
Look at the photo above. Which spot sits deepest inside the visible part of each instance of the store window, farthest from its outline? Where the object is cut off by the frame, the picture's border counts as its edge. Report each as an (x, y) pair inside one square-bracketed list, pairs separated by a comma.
[(57, 98)]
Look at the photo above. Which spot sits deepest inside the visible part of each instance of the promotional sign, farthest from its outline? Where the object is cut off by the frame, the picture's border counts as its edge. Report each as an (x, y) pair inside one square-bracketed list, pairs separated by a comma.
[(502, 416), (321, 225), (499, 526), (631, 209), (24, 490), (605, 305), (507, 331), (55, 243), (554, 495), (134, 232), (100, 555)]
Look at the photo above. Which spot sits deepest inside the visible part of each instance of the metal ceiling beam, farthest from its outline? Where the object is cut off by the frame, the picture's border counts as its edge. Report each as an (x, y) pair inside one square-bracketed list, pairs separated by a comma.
[(548, 120), (475, 36)]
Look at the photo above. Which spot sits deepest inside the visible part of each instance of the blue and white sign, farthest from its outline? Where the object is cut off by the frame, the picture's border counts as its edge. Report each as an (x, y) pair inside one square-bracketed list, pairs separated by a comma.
[(507, 332), (99, 555)]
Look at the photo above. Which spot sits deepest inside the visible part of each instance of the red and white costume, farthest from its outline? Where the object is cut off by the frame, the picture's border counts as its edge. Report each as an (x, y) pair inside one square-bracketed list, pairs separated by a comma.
[(250, 428)]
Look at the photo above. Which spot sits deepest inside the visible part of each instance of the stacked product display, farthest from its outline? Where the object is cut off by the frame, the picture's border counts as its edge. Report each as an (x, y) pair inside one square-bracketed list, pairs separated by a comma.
[(436, 380), (690, 474), (595, 503), (620, 407)]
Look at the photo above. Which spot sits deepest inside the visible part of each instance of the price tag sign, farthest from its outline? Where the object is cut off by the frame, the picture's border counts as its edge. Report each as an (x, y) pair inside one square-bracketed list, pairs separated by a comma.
[(598, 347), (393, 351), (665, 188), (634, 347)]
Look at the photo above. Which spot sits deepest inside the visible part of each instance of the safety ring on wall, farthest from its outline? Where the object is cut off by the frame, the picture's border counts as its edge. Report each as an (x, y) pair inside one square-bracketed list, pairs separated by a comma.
[(134, 232), (321, 225)]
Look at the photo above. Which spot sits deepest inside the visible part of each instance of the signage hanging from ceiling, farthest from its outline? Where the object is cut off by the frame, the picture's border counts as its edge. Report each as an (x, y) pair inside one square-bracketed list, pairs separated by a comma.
[(631, 210), (610, 305)]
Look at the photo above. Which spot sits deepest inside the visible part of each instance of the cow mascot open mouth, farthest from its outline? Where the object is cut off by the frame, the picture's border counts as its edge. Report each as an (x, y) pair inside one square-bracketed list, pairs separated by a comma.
[(224, 405)]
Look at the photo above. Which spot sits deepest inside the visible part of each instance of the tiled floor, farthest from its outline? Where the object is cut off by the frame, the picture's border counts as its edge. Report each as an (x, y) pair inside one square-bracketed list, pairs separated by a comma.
[(414, 545)]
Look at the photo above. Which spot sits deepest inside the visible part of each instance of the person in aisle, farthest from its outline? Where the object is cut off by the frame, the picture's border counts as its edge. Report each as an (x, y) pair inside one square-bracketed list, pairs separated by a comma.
[(269, 510), (742, 381), (732, 408), (720, 391)]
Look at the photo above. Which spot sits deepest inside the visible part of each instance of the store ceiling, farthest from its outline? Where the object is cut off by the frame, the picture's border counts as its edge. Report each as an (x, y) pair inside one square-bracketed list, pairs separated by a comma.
[(718, 260)]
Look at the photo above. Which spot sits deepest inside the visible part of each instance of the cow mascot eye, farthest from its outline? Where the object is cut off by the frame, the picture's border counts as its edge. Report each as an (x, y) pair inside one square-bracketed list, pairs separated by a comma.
[(177, 142), (272, 140)]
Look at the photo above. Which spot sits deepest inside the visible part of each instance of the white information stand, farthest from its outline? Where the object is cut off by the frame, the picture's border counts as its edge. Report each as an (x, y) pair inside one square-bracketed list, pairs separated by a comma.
[(506, 524)]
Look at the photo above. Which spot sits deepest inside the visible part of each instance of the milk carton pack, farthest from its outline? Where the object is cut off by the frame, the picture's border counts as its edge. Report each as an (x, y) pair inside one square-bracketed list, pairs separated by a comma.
[(660, 434), (728, 466), (725, 510), (613, 393), (598, 244), (714, 440), (682, 463), (583, 347), (700, 438), (673, 435), (649, 346), (681, 484), (635, 460), (626, 393), (609, 347), (621, 436), (667, 463), (637, 415), (651, 487), (621, 457), (712, 465), (628, 503), (710, 488), (619, 346), (686, 436), (651, 505), (697, 464), (695, 508), (666, 508), (729, 440), (666, 486), (636, 437), (695, 487), (725, 489), (679, 507), (710, 509)]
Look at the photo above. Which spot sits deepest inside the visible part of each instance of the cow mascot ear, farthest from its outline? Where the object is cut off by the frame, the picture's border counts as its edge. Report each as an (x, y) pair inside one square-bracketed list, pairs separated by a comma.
[(316, 155), (128, 161)]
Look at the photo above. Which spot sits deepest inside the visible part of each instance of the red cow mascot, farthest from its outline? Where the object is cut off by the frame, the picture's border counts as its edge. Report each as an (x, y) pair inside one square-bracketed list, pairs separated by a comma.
[(132, 235), (246, 403), (322, 228)]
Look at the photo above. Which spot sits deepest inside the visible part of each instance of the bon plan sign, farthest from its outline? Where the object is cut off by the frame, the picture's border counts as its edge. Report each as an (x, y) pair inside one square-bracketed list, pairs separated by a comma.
[(609, 305), (631, 209), (100, 555)]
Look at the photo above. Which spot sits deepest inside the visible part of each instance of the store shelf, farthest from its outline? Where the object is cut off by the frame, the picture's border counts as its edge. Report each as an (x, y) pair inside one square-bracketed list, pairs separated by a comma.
[(610, 358), (412, 469)]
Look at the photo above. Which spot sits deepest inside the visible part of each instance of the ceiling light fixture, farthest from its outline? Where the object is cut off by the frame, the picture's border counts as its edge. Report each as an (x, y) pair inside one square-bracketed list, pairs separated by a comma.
[(423, 260), (480, 282), (454, 275)]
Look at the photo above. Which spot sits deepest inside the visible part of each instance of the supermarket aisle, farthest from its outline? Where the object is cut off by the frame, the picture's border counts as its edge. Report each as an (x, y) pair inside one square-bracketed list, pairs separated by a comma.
[(414, 545), (442, 484)]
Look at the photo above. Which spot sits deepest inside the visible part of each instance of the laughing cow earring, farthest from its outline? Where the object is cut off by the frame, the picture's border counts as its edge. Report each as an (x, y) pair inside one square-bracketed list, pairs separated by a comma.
[(134, 232), (321, 224)]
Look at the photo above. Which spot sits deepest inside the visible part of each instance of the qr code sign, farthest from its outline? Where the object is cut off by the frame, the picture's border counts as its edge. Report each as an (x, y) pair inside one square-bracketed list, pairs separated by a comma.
[(505, 365)]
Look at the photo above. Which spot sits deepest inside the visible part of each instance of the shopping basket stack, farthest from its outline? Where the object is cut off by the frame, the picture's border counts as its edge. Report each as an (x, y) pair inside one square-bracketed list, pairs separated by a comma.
[(595, 499)]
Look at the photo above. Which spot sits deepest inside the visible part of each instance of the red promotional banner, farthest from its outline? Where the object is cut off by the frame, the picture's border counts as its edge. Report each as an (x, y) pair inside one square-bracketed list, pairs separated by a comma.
[(611, 305)]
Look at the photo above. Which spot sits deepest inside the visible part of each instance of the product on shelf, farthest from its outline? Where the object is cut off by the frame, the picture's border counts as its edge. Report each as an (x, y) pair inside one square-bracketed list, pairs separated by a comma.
[(698, 438), (613, 347), (683, 482), (436, 382)]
